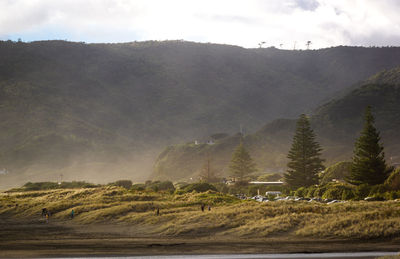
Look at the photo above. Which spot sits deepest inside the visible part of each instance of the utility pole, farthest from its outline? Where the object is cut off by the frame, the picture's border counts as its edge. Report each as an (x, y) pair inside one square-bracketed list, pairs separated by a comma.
[(308, 44)]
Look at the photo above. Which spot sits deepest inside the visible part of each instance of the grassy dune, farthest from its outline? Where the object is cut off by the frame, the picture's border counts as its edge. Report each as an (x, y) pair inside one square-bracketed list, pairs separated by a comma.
[(180, 215)]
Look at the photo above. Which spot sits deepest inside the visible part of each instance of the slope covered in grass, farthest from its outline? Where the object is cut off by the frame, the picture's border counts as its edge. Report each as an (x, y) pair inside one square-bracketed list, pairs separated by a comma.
[(180, 215)]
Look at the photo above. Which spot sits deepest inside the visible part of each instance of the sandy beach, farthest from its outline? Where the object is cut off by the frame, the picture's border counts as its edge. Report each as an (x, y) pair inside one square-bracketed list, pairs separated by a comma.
[(39, 239)]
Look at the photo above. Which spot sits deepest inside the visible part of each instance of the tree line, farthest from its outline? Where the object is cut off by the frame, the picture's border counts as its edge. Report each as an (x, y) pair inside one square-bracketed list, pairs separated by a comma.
[(305, 162)]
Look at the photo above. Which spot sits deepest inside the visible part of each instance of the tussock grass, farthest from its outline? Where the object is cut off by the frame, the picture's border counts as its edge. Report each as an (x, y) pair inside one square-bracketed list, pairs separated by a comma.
[(180, 215)]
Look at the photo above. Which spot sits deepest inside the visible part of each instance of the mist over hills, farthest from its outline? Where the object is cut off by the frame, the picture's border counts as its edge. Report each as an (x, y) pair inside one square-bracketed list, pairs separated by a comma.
[(337, 124), (100, 112)]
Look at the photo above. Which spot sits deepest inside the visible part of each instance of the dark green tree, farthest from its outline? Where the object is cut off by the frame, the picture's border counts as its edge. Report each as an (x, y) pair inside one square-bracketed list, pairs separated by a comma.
[(305, 162), (369, 165), (241, 164)]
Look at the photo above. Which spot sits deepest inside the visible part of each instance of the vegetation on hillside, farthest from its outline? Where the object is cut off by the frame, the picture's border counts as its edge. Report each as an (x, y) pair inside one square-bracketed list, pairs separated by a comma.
[(93, 108), (337, 124)]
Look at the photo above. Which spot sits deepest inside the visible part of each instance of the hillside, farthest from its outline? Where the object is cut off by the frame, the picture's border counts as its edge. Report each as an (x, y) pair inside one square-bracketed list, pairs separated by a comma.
[(336, 123), (85, 110)]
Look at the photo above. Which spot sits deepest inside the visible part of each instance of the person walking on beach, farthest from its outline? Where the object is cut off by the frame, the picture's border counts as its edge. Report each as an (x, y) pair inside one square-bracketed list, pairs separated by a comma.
[(158, 211), (47, 217), (202, 207), (72, 214), (44, 212)]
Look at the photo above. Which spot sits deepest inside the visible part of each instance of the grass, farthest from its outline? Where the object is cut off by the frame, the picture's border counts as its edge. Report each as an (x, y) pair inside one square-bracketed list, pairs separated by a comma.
[(180, 215)]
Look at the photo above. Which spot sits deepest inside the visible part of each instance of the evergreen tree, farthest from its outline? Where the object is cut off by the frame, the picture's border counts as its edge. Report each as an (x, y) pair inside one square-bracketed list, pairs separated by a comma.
[(369, 166), (241, 164), (305, 162)]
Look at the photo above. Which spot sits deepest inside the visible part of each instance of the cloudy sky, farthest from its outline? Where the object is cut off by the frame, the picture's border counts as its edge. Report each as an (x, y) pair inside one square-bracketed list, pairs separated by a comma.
[(280, 23)]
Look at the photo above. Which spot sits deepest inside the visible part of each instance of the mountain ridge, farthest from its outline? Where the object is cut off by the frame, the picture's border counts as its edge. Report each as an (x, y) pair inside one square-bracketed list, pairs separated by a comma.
[(117, 105)]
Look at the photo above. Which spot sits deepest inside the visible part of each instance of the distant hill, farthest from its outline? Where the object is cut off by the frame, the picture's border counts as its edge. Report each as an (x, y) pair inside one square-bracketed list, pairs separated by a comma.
[(336, 123), (104, 111)]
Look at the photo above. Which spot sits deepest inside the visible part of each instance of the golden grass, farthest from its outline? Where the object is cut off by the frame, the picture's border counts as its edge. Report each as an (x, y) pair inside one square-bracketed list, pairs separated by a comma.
[(181, 215)]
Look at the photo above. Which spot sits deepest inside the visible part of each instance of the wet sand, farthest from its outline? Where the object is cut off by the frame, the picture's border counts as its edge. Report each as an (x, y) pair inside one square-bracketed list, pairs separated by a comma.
[(38, 239)]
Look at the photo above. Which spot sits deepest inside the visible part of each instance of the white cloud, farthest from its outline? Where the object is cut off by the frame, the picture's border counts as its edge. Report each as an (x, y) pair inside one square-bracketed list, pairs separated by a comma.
[(324, 22)]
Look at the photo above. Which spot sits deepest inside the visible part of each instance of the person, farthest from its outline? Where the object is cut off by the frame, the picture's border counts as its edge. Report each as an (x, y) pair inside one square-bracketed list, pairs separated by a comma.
[(72, 213), (44, 212), (158, 211), (47, 217), (202, 207)]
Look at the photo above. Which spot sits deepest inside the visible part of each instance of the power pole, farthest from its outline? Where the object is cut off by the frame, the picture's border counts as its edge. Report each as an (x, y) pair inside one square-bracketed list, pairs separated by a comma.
[(308, 44)]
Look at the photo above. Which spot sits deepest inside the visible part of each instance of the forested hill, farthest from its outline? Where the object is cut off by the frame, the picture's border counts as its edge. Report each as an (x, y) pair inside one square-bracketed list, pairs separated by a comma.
[(337, 124), (85, 110)]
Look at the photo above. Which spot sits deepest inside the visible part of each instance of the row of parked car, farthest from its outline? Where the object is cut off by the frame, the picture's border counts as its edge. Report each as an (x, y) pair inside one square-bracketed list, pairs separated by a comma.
[(261, 198)]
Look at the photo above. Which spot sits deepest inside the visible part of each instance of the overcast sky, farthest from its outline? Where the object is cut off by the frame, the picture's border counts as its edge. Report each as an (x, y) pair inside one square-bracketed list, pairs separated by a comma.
[(238, 22)]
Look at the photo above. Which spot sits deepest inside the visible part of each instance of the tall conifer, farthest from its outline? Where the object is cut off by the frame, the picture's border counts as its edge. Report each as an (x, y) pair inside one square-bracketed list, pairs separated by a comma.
[(369, 166), (241, 164), (305, 162)]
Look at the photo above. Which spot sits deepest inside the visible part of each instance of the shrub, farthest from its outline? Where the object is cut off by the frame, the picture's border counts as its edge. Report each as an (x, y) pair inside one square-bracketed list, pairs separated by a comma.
[(138, 187), (348, 194), (378, 189), (309, 192), (51, 185), (127, 184), (161, 186), (319, 191), (200, 187), (334, 193), (362, 191), (300, 192), (393, 181), (338, 192)]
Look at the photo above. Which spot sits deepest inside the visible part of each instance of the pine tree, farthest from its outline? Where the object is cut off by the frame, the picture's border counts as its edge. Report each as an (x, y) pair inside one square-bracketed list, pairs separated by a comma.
[(369, 166), (305, 162), (242, 164)]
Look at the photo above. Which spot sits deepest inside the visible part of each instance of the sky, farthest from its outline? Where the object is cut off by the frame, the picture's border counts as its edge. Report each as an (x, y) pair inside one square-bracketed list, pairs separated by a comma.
[(284, 24)]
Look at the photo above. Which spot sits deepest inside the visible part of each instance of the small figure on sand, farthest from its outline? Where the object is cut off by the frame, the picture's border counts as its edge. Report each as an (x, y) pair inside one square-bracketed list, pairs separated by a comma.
[(47, 217), (202, 207), (44, 212), (158, 211), (72, 214)]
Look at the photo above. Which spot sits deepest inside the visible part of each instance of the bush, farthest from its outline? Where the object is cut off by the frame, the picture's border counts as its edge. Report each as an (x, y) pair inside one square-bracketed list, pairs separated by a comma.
[(160, 186), (362, 191), (319, 191), (338, 192), (199, 187), (393, 181), (309, 192), (300, 192), (378, 190), (333, 193), (51, 185), (127, 184), (138, 187), (348, 194)]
